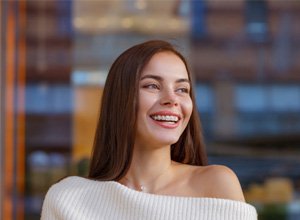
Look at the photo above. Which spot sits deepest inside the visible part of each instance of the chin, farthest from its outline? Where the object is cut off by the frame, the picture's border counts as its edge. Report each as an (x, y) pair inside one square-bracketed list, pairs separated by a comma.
[(167, 141)]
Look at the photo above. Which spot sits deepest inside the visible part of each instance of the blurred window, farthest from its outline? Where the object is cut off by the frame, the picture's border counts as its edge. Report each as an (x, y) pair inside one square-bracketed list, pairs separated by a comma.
[(261, 98), (204, 98), (267, 109), (285, 98), (251, 98), (198, 19), (51, 99), (256, 20)]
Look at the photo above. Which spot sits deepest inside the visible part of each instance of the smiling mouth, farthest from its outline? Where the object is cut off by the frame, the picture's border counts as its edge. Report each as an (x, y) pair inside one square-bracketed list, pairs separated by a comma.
[(171, 119)]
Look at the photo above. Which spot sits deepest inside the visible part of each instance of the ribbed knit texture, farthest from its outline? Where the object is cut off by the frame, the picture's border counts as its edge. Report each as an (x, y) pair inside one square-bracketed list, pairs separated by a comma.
[(77, 198)]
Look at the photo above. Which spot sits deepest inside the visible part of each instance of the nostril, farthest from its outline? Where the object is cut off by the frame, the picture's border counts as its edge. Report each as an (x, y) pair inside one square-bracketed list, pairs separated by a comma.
[(170, 102)]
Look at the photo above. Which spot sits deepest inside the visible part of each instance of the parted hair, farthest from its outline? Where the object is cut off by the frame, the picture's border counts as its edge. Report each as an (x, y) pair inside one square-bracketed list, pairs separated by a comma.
[(115, 133)]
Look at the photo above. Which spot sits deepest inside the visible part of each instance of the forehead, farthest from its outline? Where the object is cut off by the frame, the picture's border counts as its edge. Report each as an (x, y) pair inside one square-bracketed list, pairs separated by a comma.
[(166, 64)]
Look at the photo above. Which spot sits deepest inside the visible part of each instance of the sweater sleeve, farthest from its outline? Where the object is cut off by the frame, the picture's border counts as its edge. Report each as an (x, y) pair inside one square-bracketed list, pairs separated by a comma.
[(63, 200), (48, 210)]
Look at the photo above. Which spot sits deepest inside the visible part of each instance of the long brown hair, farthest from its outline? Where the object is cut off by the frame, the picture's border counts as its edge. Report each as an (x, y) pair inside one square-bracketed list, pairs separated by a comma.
[(115, 133)]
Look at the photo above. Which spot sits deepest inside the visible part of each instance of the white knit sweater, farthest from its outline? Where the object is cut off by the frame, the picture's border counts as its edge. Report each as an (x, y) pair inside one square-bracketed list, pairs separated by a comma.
[(77, 198)]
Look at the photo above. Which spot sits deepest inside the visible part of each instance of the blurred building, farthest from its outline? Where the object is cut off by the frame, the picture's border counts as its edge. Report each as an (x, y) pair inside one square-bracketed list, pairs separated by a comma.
[(244, 55)]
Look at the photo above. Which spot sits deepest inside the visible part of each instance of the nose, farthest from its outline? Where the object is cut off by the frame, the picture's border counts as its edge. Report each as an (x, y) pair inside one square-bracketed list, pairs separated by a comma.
[(168, 98)]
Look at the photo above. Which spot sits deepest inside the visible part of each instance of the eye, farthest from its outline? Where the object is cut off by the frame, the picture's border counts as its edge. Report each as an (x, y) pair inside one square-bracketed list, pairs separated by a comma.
[(183, 90), (151, 86)]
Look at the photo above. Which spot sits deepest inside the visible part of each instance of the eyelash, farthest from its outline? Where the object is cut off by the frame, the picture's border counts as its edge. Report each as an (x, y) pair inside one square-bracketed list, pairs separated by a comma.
[(184, 90), (151, 86), (154, 86)]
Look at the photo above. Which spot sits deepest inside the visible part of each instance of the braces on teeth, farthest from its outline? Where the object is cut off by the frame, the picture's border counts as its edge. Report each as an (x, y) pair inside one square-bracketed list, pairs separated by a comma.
[(165, 118)]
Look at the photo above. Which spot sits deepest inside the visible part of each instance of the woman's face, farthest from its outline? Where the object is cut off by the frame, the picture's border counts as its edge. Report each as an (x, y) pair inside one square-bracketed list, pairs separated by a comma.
[(165, 105)]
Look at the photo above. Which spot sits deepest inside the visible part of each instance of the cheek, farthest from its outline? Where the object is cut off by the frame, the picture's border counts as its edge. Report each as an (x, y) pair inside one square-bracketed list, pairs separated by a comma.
[(145, 103), (188, 108)]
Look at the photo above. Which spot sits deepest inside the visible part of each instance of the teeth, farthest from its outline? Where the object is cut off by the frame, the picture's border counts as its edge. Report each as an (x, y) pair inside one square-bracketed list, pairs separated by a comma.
[(165, 118)]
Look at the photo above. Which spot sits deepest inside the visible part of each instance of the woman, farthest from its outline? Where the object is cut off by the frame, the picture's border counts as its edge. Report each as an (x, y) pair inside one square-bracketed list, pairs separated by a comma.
[(148, 159)]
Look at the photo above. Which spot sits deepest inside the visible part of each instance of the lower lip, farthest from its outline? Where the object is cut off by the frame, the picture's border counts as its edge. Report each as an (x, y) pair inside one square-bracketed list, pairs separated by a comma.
[(165, 124)]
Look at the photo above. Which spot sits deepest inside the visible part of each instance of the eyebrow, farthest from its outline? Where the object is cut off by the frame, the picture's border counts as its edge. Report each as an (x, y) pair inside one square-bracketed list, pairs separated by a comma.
[(159, 78)]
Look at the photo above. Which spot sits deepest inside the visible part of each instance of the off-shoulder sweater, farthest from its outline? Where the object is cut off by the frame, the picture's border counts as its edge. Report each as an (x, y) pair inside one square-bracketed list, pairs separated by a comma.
[(77, 198)]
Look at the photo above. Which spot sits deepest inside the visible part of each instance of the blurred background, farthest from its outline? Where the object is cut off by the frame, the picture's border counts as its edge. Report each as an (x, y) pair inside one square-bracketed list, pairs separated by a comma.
[(245, 59)]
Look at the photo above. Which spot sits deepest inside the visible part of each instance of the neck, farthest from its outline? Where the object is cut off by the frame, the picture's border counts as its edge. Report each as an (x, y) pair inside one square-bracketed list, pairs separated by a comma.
[(149, 169)]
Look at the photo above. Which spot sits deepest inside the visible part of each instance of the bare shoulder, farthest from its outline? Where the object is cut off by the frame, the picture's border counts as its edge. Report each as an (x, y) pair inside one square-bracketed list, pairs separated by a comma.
[(218, 181)]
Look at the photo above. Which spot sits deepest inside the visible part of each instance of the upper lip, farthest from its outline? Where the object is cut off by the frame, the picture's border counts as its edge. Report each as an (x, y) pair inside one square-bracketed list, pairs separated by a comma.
[(166, 113)]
